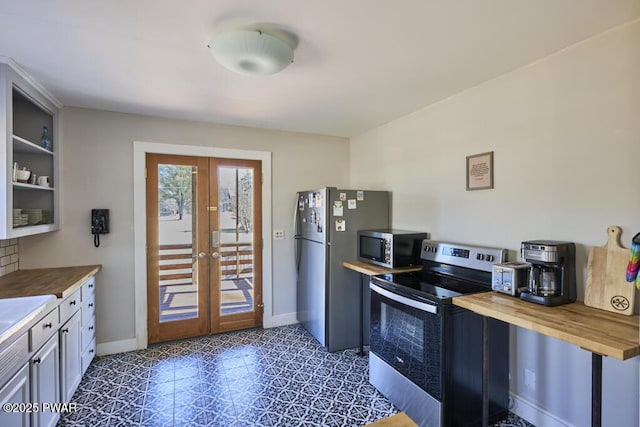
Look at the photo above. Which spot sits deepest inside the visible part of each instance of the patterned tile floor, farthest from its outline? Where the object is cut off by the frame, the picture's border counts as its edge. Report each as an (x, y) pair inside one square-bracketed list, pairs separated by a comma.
[(258, 377)]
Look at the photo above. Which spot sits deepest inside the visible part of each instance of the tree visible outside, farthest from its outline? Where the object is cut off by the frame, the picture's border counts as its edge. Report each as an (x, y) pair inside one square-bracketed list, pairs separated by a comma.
[(236, 196), (175, 188)]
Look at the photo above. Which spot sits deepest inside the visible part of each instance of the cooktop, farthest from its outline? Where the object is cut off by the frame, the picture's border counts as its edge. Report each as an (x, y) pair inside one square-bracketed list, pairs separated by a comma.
[(433, 285)]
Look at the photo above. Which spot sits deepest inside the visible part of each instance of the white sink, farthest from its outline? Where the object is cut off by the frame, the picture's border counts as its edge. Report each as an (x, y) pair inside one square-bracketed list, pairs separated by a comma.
[(5, 324), (14, 311)]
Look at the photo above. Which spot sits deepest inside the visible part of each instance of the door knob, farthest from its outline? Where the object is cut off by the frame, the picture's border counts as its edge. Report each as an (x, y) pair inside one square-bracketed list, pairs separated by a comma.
[(201, 255), (215, 255)]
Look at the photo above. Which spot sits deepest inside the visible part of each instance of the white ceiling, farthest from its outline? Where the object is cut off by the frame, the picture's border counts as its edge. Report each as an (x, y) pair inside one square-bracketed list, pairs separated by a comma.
[(358, 63)]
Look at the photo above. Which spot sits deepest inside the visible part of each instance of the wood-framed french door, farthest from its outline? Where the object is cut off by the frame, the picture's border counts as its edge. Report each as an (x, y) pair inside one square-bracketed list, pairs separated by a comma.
[(204, 245)]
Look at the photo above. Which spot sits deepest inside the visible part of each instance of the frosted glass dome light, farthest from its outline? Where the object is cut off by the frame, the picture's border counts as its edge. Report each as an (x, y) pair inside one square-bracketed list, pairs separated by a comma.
[(251, 52)]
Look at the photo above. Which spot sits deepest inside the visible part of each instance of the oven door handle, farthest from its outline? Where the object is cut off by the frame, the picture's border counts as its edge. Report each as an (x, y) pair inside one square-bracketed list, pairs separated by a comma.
[(404, 300)]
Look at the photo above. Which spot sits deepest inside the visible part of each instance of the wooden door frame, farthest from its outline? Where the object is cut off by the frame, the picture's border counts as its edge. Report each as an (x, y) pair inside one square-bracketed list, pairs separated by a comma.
[(140, 149)]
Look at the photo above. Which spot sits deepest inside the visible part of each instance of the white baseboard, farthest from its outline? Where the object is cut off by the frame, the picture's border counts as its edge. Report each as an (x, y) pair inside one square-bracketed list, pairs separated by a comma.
[(280, 320), (123, 346), (536, 415), (114, 347)]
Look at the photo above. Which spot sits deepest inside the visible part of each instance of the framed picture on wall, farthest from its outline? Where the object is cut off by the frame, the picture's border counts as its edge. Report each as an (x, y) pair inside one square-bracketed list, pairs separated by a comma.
[(480, 171)]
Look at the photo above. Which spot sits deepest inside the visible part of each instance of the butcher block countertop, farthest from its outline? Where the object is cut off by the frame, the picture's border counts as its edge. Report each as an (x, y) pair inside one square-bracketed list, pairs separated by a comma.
[(373, 270), (61, 281), (597, 331), (397, 420)]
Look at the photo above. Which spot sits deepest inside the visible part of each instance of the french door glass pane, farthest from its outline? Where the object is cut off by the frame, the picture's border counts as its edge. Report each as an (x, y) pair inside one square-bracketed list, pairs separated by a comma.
[(178, 269), (235, 189)]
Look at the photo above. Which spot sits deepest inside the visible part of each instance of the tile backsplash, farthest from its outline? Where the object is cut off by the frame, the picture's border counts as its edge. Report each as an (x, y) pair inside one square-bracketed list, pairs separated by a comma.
[(8, 256)]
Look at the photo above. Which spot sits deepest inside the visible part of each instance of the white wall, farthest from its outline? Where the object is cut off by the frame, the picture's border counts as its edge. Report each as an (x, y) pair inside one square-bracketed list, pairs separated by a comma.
[(97, 172), (566, 136)]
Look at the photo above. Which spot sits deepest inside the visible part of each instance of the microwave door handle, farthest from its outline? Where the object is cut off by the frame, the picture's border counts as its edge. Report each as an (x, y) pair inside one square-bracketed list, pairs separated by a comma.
[(404, 300)]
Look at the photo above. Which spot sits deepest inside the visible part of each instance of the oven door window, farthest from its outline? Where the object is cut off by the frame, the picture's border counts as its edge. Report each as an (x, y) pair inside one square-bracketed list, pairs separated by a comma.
[(408, 339)]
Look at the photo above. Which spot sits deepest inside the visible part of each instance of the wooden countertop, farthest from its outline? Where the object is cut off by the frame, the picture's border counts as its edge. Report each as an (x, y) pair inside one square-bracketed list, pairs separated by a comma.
[(397, 420), (373, 270), (598, 331), (61, 281)]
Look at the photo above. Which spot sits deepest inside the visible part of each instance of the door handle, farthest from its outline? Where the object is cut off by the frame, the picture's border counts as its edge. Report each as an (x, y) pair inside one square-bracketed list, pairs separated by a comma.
[(215, 255), (201, 255)]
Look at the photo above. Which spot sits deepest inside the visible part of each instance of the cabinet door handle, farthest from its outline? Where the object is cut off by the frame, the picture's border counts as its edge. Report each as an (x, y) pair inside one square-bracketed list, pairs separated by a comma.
[(65, 330), (91, 328), (72, 302), (90, 285), (91, 351), (37, 361), (91, 305), (47, 325)]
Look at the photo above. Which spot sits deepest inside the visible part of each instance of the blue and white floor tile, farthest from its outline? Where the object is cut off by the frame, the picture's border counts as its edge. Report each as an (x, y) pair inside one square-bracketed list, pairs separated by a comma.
[(258, 377)]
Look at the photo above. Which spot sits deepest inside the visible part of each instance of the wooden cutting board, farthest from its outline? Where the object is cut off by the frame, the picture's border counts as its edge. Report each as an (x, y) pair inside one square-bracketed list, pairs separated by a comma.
[(607, 288)]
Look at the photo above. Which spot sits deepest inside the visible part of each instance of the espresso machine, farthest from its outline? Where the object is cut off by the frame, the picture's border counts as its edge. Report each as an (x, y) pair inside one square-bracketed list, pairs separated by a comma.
[(552, 279)]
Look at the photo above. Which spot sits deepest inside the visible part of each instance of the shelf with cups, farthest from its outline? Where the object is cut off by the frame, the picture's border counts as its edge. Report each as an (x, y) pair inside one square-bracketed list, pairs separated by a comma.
[(30, 138), (27, 186)]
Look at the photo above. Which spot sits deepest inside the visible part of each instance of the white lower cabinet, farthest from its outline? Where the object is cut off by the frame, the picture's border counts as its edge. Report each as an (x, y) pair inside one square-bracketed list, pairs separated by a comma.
[(44, 366), (12, 394), (70, 357), (45, 384)]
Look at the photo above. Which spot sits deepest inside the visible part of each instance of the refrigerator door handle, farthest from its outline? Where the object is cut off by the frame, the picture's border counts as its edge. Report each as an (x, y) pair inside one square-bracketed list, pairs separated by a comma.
[(296, 235), (297, 254)]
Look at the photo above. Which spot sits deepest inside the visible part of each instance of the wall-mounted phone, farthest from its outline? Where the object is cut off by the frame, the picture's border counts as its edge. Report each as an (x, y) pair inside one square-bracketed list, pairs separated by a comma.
[(99, 224)]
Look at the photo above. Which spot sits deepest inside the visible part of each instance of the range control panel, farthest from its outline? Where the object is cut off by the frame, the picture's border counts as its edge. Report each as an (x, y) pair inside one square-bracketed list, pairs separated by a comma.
[(476, 257)]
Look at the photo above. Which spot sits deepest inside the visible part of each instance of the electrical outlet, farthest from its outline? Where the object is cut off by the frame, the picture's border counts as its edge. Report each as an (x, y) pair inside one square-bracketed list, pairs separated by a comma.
[(530, 379), (278, 234)]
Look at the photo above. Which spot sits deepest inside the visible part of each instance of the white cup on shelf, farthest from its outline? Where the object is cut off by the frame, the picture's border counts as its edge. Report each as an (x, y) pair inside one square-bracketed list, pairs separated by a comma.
[(44, 181)]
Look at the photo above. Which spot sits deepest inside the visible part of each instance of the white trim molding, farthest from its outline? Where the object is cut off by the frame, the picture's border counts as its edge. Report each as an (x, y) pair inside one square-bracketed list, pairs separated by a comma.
[(280, 320), (23, 73), (114, 347), (140, 215), (536, 415)]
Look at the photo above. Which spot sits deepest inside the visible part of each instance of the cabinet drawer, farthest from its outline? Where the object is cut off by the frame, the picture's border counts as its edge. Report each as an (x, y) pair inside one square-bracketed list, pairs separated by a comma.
[(69, 305), (13, 357), (87, 355), (88, 333), (42, 330), (88, 288), (88, 307)]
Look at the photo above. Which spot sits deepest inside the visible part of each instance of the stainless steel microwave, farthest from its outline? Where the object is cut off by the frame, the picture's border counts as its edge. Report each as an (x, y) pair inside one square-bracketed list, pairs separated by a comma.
[(390, 248)]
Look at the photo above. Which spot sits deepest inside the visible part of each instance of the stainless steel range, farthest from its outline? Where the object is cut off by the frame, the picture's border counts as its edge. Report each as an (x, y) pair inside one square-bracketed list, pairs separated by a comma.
[(425, 353)]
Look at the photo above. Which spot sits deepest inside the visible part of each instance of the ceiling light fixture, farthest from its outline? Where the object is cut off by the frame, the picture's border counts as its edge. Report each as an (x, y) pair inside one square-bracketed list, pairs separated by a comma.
[(251, 52)]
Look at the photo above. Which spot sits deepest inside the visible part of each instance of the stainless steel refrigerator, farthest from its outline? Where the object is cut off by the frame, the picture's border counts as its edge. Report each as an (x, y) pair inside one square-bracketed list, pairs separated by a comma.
[(327, 221)]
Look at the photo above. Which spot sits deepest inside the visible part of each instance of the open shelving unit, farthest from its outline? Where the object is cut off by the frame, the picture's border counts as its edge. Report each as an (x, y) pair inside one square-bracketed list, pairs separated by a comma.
[(28, 208)]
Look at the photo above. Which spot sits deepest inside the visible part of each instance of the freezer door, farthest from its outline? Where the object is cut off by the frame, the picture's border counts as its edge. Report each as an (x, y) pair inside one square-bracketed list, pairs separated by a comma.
[(353, 210), (312, 288), (311, 215)]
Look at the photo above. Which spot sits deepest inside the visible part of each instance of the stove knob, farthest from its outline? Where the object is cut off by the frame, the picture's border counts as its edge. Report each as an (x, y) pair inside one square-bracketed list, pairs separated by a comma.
[(490, 258), (480, 257)]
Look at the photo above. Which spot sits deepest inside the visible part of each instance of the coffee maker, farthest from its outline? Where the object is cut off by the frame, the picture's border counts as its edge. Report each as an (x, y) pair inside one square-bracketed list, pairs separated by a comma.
[(552, 279)]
